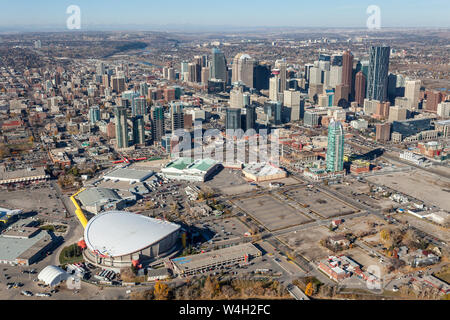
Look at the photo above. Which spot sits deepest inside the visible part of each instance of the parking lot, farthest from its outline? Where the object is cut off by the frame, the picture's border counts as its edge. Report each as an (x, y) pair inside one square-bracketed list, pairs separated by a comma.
[(41, 198), (433, 189), (271, 212), (306, 242), (319, 202), (221, 232), (230, 182)]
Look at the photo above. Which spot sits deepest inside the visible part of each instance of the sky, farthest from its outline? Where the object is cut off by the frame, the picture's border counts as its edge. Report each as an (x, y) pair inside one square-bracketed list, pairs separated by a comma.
[(38, 14)]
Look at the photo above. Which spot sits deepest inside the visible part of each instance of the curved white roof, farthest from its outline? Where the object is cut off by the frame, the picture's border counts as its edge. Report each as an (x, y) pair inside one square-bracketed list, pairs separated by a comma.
[(117, 233), (52, 275)]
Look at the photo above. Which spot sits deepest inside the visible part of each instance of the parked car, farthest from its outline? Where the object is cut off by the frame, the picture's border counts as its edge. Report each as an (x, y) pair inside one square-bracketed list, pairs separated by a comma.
[(43, 294)]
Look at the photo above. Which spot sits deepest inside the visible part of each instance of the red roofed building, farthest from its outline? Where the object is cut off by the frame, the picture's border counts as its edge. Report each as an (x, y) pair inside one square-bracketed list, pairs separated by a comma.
[(10, 125)]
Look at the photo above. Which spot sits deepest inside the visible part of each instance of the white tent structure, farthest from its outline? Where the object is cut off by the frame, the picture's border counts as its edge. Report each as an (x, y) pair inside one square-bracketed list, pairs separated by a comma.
[(52, 275)]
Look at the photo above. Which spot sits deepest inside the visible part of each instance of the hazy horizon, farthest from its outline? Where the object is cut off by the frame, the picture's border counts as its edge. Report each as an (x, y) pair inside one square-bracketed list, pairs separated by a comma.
[(144, 15)]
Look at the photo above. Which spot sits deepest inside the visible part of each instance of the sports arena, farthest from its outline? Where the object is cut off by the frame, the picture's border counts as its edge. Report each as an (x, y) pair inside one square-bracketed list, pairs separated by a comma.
[(119, 239)]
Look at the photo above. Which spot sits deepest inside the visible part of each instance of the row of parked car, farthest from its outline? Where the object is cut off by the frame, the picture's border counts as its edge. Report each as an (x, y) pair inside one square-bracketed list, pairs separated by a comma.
[(14, 285), (106, 275)]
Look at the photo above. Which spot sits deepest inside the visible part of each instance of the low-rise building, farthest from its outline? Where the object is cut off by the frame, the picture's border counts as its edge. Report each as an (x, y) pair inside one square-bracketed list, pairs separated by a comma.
[(22, 175), (59, 156), (412, 157), (263, 172), (22, 245), (339, 267), (420, 258), (436, 283), (96, 200), (190, 170), (217, 259), (158, 274)]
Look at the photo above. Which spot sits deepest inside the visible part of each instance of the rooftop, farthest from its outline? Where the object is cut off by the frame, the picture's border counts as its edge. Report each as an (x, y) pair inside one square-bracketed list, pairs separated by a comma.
[(129, 174), (92, 196), (262, 169), (22, 173), (216, 256), (180, 163), (117, 233), (13, 248)]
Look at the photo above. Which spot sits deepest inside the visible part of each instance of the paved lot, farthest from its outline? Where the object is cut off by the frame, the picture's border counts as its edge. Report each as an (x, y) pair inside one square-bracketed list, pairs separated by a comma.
[(306, 242), (271, 212), (361, 225), (426, 226), (42, 199), (433, 189), (319, 202), (230, 182)]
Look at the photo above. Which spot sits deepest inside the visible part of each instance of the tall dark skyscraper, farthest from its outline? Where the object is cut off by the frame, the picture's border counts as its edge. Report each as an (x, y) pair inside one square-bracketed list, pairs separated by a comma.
[(120, 114), (139, 106), (347, 68), (233, 119), (336, 60), (138, 130), (273, 111), (262, 75), (218, 65), (392, 87), (377, 81), (158, 129), (176, 111), (250, 117)]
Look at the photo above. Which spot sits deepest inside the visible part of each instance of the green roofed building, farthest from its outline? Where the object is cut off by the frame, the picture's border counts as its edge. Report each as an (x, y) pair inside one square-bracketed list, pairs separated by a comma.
[(191, 170)]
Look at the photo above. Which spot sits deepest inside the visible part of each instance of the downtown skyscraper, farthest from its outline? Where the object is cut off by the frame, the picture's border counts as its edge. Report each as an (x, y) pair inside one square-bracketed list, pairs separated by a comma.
[(120, 114), (243, 69), (377, 80), (94, 114), (233, 119), (347, 68), (218, 67), (360, 88), (138, 130), (158, 128), (335, 149)]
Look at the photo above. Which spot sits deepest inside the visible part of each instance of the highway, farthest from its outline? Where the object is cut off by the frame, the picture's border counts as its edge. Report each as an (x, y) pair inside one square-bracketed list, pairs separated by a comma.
[(296, 293)]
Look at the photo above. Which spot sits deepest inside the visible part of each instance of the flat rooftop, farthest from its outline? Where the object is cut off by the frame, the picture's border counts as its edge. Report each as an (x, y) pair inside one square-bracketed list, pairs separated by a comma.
[(22, 173), (24, 232), (215, 257), (92, 196), (128, 174), (180, 163), (13, 248), (262, 169)]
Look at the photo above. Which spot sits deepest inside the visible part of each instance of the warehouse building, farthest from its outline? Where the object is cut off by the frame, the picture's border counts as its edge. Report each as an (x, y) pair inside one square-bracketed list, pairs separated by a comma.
[(22, 175), (128, 175), (263, 172), (95, 200), (23, 245), (217, 259)]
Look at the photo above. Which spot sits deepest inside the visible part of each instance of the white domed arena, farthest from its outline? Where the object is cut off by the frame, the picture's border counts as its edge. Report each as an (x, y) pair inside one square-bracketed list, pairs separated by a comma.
[(117, 238)]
